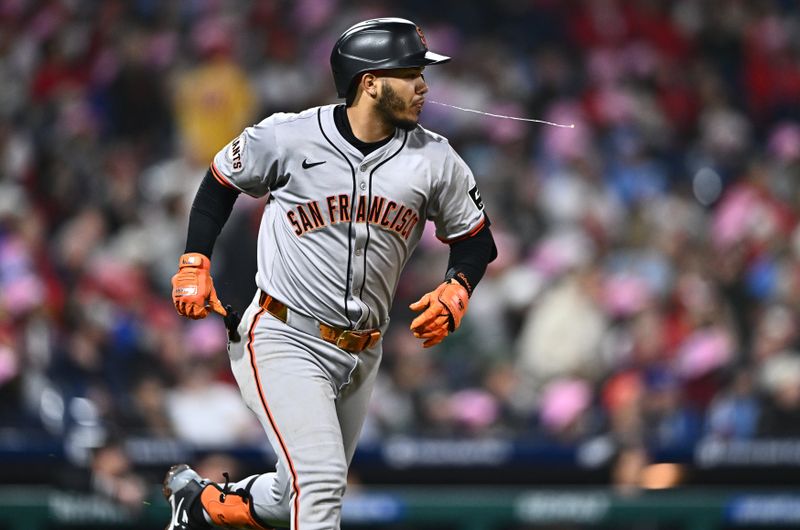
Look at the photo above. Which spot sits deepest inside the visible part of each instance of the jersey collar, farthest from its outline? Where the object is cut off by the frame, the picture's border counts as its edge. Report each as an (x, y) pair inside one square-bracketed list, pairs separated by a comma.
[(329, 125)]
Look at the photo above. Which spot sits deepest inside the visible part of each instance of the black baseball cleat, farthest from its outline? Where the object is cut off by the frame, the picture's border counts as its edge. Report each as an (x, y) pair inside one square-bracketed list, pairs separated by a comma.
[(182, 487)]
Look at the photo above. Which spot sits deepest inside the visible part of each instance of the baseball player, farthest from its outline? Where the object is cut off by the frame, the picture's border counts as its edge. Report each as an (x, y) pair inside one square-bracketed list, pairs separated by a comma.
[(350, 188)]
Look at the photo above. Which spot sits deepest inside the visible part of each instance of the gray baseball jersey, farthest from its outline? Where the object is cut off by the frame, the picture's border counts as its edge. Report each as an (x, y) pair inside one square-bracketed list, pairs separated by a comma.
[(339, 227), (335, 234)]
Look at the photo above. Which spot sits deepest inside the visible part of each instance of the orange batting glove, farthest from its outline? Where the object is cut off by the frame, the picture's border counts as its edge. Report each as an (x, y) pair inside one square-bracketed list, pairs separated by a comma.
[(192, 288), (442, 311)]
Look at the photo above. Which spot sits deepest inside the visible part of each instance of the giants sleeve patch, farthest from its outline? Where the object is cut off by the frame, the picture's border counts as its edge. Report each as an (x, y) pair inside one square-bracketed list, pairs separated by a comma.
[(475, 195), (236, 153)]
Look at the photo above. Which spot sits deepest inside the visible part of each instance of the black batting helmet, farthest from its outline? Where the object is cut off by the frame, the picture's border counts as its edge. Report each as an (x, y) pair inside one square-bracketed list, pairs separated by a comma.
[(379, 44)]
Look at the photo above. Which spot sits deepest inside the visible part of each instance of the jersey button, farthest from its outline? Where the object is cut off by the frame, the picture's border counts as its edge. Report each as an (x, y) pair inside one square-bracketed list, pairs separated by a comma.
[(363, 185), (363, 168), (358, 252)]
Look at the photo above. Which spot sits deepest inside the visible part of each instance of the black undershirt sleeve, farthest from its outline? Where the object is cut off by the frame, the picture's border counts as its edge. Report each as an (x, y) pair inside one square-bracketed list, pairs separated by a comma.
[(469, 258), (210, 211)]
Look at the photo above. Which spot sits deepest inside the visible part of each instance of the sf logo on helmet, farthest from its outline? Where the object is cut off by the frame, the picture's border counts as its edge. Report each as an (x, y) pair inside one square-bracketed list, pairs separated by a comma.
[(422, 37)]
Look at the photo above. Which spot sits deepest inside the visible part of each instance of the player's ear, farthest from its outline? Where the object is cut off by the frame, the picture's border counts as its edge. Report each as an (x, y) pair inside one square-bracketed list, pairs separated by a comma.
[(369, 82)]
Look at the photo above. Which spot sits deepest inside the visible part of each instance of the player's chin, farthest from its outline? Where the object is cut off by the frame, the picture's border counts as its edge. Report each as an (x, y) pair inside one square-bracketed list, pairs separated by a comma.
[(410, 118), (407, 123)]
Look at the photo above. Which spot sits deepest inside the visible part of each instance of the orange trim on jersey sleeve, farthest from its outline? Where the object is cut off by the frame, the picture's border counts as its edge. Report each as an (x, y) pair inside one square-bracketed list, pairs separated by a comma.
[(468, 235), (221, 178), (284, 449)]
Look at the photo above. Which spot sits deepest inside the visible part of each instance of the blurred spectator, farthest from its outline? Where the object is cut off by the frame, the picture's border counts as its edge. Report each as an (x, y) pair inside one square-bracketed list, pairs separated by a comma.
[(202, 407), (109, 473), (208, 413), (139, 111), (669, 422), (780, 378), (213, 100), (734, 412), (563, 331), (113, 476), (563, 407), (403, 387), (146, 414)]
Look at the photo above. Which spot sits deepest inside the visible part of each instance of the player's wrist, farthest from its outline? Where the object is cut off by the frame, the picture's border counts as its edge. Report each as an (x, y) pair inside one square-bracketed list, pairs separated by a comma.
[(459, 278), (194, 260)]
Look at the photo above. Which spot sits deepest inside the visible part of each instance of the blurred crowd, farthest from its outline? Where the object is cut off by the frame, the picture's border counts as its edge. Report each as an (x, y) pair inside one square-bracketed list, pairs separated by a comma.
[(648, 280)]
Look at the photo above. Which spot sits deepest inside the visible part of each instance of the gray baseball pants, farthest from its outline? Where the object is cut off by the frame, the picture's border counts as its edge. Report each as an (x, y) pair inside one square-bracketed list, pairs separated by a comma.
[(311, 398)]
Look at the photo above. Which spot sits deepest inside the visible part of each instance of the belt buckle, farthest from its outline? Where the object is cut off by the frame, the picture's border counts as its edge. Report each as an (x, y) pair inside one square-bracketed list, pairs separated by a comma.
[(347, 340)]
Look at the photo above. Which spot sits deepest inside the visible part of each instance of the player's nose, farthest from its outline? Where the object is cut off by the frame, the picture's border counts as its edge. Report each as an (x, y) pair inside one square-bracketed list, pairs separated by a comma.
[(422, 86)]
